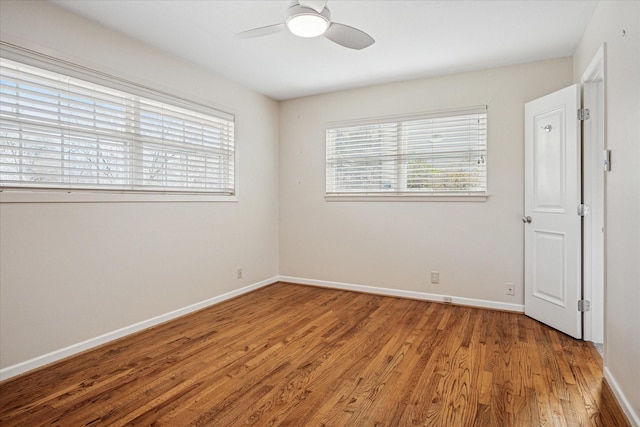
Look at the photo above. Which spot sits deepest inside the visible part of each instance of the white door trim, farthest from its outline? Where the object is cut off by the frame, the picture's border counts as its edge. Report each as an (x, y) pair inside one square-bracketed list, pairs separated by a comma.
[(593, 134)]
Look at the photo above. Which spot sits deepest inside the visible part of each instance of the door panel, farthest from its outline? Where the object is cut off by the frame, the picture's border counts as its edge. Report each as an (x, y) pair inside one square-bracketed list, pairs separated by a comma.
[(549, 172), (552, 193), (549, 282)]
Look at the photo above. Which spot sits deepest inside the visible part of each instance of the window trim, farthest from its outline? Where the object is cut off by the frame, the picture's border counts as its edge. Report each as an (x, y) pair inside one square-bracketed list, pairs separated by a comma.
[(26, 195), (476, 196), (80, 195), (395, 197)]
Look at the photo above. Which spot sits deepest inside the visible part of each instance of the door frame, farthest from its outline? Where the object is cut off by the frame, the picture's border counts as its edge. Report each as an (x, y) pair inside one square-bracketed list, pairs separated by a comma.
[(593, 193)]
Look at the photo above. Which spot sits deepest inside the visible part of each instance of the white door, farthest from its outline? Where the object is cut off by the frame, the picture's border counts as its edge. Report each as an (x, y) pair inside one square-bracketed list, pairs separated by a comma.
[(553, 227)]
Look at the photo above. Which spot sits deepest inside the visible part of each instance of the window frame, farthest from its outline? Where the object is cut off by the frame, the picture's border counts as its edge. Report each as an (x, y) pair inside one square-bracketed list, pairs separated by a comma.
[(24, 194), (400, 168)]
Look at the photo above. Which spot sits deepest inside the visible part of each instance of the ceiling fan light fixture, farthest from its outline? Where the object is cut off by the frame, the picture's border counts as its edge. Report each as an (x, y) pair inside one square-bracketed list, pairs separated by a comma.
[(312, 18), (308, 25)]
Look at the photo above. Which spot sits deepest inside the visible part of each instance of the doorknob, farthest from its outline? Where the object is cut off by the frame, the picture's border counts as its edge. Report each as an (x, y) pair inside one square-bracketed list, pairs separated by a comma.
[(527, 219)]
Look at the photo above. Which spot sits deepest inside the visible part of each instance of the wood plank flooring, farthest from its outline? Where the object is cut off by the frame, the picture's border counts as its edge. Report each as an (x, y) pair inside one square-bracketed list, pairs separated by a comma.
[(302, 356)]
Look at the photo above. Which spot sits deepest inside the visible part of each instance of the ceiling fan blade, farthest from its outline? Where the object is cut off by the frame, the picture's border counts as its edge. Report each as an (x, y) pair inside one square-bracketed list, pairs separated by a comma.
[(317, 5), (347, 36), (261, 31)]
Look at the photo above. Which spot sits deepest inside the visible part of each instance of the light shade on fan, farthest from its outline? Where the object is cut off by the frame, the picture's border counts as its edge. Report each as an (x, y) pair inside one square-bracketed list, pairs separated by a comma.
[(307, 25)]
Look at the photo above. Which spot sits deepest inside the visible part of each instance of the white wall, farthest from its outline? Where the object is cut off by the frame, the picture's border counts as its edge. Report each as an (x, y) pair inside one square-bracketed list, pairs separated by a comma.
[(622, 224), (476, 246), (70, 272)]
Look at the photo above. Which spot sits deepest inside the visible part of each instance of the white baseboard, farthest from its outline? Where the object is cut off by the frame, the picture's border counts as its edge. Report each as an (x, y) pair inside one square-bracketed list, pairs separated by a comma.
[(54, 356), (632, 414), (405, 294)]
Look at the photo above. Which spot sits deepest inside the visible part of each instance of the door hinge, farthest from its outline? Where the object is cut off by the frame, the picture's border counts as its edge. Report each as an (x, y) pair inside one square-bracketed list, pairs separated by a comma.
[(606, 161), (584, 305), (583, 209), (583, 114)]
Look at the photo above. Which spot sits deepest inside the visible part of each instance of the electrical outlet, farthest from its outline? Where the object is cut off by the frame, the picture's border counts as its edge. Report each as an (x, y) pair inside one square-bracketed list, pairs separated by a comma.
[(447, 300), (239, 273), (435, 277), (510, 289)]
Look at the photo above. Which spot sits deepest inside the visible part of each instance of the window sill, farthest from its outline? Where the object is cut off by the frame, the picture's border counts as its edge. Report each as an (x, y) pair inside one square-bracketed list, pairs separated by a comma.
[(40, 196), (405, 198)]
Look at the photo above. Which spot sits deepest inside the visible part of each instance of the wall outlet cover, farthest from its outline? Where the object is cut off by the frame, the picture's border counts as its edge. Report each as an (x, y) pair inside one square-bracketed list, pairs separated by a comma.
[(510, 289), (435, 277)]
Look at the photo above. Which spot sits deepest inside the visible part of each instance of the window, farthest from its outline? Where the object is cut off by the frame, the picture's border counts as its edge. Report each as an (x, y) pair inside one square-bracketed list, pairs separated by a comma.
[(59, 131), (432, 154)]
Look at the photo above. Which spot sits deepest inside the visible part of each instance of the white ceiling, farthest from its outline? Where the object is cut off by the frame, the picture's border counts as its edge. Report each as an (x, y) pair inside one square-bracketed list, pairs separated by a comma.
[(414, 39)]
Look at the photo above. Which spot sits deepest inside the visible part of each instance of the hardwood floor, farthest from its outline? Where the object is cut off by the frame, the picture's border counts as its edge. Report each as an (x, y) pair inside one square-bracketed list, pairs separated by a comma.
[(303, 356)]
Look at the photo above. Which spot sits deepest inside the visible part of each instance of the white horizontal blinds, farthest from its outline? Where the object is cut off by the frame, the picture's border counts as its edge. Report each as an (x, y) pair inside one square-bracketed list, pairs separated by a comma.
[(52, 133), (184, 150), (58, 131), (362, 158), (441, 153), (446, 154)]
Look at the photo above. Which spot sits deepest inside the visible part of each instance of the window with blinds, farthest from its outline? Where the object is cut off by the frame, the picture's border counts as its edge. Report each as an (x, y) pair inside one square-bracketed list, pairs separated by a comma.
[(63, 132), (432, 154)]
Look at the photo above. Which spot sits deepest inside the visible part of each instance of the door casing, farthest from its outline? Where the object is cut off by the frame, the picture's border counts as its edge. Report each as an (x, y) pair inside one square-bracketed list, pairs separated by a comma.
[(593, 184)]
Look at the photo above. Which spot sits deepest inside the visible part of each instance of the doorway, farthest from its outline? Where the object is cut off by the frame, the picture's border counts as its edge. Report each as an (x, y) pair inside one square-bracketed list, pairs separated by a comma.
[(564, 169)]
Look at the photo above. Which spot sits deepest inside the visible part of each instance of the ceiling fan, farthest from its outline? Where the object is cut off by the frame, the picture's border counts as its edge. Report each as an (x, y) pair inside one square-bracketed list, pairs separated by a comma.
[(311, 18)]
